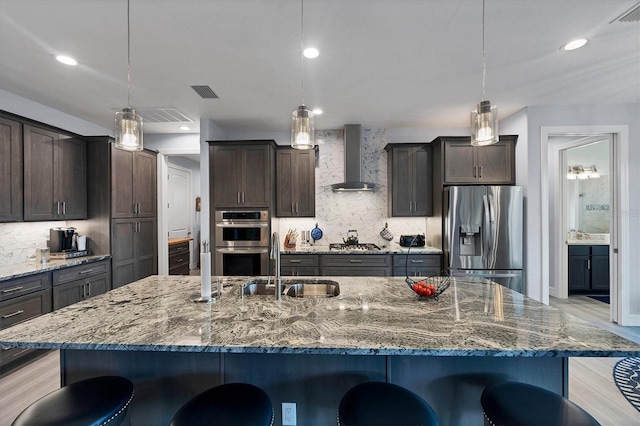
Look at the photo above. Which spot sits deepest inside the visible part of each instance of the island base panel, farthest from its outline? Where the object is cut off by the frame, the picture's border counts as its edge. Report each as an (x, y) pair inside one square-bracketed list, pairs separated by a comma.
[(452, 385)]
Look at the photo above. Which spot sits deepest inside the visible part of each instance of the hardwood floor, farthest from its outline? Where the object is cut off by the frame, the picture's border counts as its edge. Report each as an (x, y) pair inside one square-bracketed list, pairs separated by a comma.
[(591, 383)]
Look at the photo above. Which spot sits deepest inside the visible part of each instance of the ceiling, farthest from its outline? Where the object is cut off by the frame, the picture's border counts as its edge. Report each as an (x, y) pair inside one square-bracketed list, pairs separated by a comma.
[(382, 63)]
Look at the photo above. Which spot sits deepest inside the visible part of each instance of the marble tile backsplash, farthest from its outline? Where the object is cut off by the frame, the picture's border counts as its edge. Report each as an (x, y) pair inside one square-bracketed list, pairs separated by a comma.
[(367, 212), (18, 241)]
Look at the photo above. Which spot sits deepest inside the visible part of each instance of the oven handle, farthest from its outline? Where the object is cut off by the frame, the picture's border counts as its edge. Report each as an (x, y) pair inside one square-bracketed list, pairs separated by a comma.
[(241, 225), (241, 250)]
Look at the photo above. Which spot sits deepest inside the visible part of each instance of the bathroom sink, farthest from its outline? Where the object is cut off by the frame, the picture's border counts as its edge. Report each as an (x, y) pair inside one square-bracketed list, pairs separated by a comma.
[(292, 288), (312, 288)]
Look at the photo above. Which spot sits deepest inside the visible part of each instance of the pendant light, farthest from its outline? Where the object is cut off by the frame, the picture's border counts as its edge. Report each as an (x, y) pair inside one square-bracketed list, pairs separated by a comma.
[(302, 125), (484, 119), (128, 123)]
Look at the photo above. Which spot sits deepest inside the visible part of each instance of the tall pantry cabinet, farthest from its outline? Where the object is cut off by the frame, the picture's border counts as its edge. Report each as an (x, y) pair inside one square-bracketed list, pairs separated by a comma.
[(122, 209)]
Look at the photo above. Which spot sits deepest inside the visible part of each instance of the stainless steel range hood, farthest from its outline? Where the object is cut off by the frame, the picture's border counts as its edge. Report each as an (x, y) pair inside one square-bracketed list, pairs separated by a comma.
[(352, 162)]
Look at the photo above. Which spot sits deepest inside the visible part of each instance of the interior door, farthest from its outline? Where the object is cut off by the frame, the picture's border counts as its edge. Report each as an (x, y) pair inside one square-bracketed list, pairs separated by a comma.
[(179, 209)]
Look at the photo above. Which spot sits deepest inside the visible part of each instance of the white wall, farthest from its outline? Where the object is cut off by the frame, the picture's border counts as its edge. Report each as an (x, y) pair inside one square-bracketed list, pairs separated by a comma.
[(209, 131), (29, 109), (537, 207)]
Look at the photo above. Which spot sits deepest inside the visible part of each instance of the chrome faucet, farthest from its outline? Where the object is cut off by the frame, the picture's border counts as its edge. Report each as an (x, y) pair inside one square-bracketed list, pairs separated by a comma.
[(275, 255)]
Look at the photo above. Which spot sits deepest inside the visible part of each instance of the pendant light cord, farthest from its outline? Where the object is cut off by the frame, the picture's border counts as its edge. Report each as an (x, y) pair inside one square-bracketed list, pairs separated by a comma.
[(302, 49), (484, 64), (128, 54)]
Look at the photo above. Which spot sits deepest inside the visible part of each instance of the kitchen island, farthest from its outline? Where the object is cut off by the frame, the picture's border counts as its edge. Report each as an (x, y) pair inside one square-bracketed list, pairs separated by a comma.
[(311, 350)]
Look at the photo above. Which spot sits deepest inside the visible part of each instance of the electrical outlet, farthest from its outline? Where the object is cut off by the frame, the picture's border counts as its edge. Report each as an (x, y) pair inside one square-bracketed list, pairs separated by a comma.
[(288, 414)]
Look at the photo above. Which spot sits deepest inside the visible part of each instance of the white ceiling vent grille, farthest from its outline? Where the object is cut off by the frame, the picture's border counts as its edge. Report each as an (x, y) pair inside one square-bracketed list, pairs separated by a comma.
[(162, 115), (205, 92), (631, 15)]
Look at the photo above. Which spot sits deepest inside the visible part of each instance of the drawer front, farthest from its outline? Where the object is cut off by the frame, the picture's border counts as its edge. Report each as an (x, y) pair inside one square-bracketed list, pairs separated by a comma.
[(600, 250), (413, 271), (417, 260), (355, 260), (345, 271), (579, 250), (178, 248), (177, 260), (79, 272), (300, 271), (23, 308), (299, 260), (21, 286)]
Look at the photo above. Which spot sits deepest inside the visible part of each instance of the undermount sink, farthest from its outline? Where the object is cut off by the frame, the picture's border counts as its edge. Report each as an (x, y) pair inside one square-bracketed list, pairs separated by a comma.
[(312, 288), (292, 288)]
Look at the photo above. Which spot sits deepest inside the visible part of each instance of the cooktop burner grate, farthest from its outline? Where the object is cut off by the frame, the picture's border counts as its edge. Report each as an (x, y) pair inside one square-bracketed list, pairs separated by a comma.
[(362, 247)]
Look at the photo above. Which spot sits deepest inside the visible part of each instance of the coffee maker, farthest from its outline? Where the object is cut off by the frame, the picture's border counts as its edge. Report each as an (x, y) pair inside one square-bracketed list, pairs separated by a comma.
[(61, 239)]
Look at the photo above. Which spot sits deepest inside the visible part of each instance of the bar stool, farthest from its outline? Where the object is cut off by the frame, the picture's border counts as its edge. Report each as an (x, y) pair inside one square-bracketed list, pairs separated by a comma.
[(380, 403), (238, 404), (511, 403), (97, 401)]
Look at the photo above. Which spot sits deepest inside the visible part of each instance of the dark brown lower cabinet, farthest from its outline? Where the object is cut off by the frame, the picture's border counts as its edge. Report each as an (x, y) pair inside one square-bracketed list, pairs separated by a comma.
[(417, 265), (374, 265), (300, 265), (134, 245), (179, 255), (74, 284), (18, 309), (588, 269)]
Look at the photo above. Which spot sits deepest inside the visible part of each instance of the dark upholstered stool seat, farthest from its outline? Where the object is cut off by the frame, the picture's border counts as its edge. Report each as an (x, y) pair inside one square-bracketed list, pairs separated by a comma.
[(511, 403), (229, 404), (380, 403), (97, 401)]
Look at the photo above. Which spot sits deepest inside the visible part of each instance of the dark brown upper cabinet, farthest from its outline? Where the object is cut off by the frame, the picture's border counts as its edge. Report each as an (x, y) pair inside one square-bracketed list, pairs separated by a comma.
[(295, 182), (242, 173), (464, 164), (55, 175), (134, 184), (410, 181), (10, 170)]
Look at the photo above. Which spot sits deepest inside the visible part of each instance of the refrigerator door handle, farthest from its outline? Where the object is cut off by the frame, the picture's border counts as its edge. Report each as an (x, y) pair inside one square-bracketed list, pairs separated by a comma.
[(491, 207)]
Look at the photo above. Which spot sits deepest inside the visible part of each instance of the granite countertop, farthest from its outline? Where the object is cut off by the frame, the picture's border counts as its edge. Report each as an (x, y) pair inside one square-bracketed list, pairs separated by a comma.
[(390, 249), (372, 316), (32, 267)]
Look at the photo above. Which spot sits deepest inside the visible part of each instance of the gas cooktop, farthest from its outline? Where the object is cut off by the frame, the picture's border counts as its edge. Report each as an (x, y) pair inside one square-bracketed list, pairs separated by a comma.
[(355, 247)]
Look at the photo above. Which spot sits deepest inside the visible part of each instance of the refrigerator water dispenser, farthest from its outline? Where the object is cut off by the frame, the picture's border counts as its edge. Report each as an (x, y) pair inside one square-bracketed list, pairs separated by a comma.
[(470, 240)]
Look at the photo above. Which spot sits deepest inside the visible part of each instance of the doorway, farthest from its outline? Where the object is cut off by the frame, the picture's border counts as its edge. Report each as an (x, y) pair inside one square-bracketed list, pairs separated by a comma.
[(586, 216), (554, 171), (179, 212)]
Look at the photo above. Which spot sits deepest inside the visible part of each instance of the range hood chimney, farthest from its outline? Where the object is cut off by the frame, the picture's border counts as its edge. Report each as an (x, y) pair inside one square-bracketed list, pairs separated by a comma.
[(352, 162)]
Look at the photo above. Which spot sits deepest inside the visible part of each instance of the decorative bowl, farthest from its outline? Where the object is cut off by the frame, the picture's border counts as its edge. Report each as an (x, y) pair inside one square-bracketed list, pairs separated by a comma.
[(429, 287)]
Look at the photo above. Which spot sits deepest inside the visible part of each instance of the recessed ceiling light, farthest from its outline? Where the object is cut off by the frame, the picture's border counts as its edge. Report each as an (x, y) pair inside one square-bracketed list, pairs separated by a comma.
[(310, 52), (184, 128), (575, 44), (67, 60), (317, 111)]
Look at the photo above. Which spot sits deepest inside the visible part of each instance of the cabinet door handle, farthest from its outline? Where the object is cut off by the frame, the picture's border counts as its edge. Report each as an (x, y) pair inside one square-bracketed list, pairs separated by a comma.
[(89, 289), (85, 272), (13, 314), (58, 207), (238, 197), (243, 198), (416, 261), (589, 264), (480, 171), (475, 171), (11, 290), (355, 261), (180, 260), (64, 207), (295, 261)]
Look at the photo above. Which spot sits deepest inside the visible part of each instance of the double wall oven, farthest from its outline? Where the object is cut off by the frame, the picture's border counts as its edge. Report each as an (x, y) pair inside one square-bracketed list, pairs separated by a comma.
[(241, 242)]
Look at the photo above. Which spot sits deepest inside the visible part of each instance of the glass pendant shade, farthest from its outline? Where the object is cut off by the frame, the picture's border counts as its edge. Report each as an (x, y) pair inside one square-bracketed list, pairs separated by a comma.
[(128, 130), (302, 128), (484, 124)]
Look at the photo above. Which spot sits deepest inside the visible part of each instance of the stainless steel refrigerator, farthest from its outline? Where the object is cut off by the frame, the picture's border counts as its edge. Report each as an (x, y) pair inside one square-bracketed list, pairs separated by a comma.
[(483, 233)]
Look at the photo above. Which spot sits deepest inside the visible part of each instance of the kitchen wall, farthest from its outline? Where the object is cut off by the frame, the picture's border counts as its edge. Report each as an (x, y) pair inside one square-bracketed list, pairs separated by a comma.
[(18, 241), (367, 212)]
